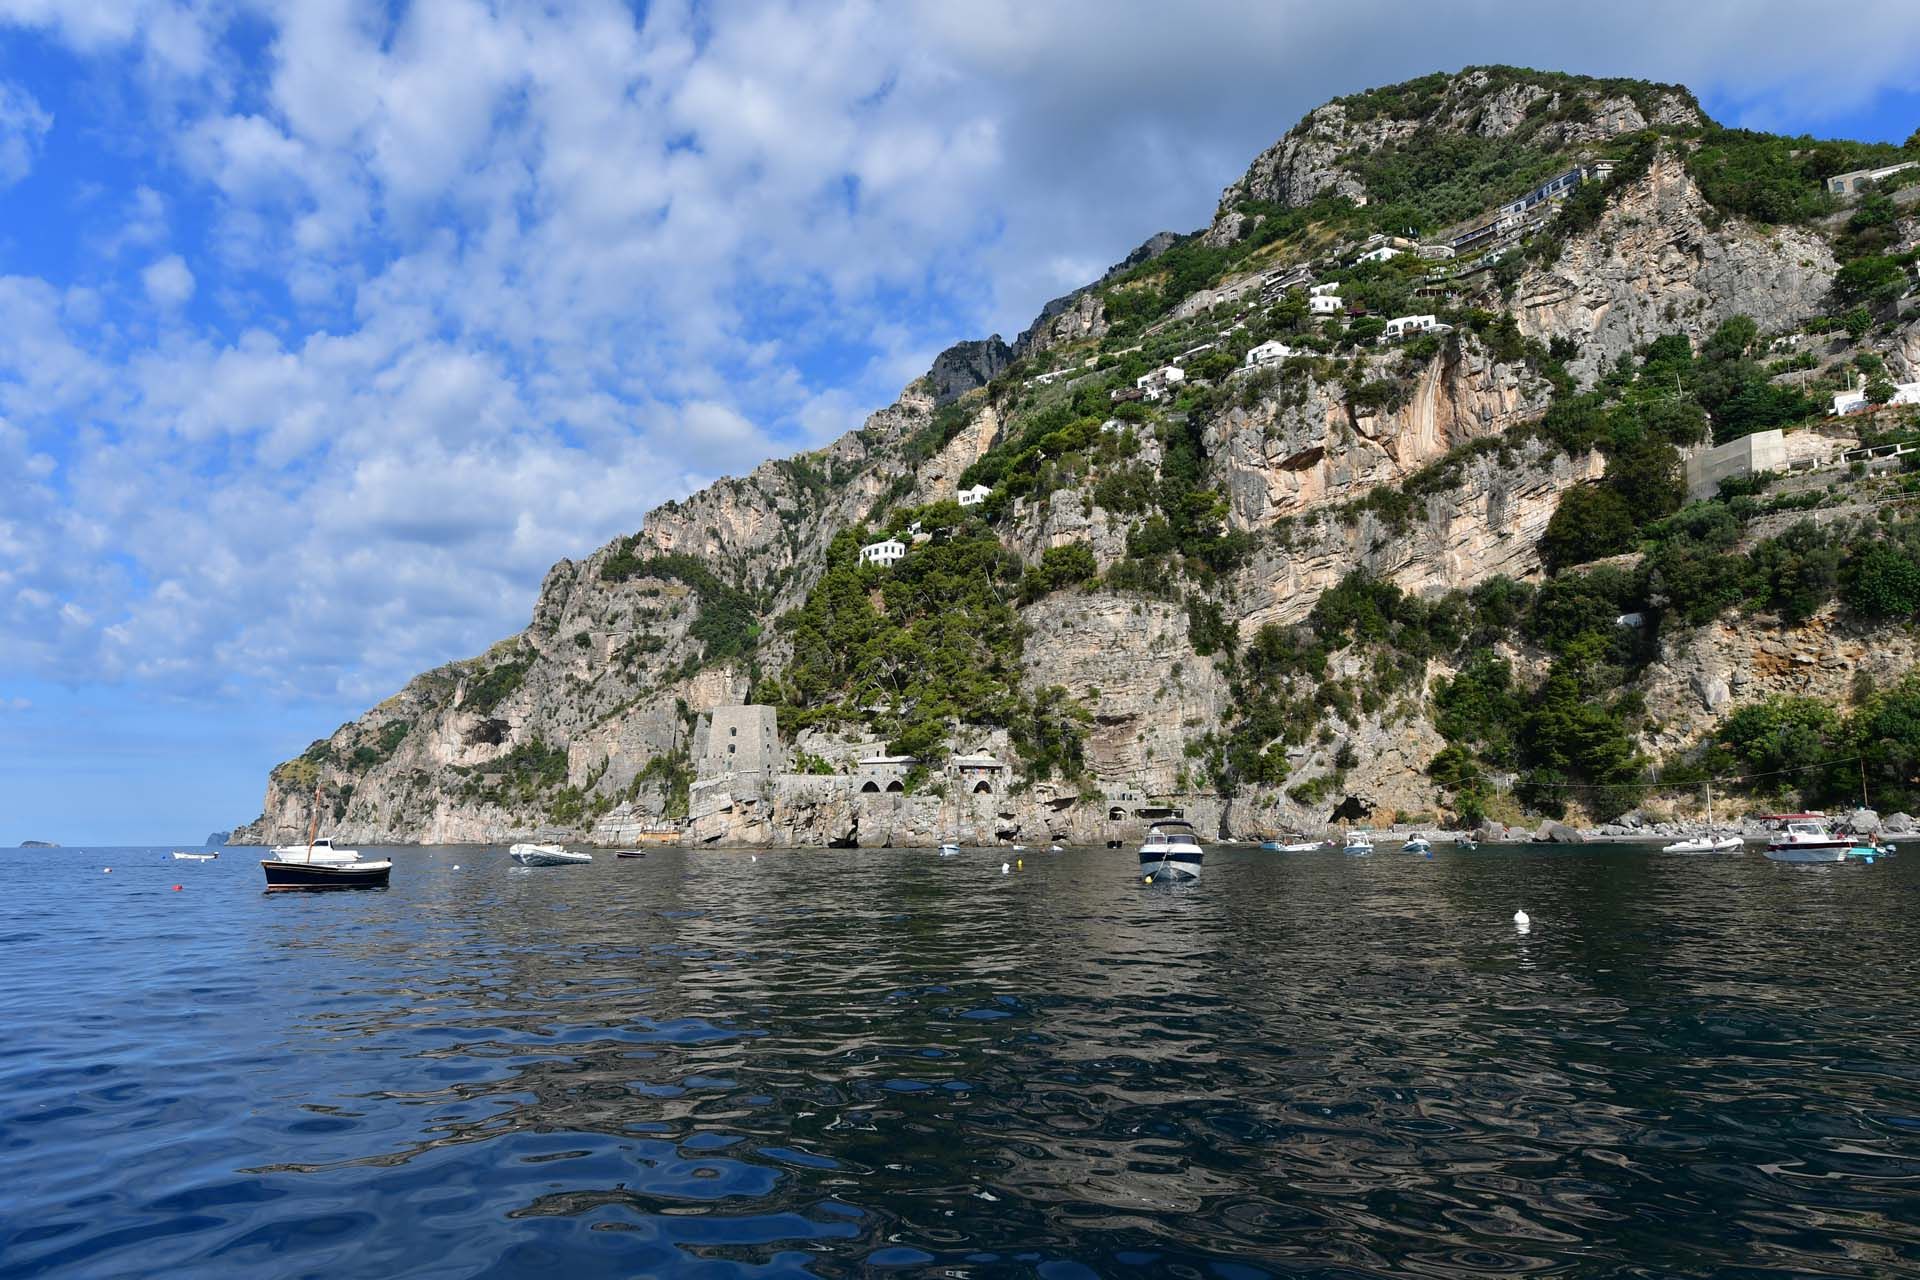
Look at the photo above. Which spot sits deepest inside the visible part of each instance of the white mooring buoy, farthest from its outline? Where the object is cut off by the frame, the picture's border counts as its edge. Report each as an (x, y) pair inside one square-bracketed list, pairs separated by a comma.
[(1005, 867), (1522, 921)]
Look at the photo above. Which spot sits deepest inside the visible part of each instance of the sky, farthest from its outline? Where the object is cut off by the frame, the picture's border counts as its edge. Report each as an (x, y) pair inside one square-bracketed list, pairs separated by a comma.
[(327, 326)]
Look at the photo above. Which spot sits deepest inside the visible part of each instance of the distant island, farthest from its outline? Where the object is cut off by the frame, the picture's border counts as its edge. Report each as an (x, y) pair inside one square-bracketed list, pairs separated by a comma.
[(217, 839), (39, 844)]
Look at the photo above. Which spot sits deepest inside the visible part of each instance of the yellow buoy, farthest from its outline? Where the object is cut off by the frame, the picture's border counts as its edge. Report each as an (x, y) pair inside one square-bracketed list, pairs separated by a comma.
[(1021, 863), (1146, 880)]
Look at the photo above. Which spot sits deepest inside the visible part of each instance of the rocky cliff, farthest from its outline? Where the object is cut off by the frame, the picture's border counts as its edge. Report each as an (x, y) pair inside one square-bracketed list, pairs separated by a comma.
[(1165, 549)]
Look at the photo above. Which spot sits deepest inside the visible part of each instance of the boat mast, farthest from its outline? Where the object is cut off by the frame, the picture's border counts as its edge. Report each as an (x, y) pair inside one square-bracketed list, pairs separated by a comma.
[(313, 829)]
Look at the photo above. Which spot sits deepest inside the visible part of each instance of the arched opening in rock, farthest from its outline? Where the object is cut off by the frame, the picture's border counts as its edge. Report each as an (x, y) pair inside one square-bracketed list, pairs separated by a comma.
[(983, 788), (894, 786), (1352, 809), (869, 788)]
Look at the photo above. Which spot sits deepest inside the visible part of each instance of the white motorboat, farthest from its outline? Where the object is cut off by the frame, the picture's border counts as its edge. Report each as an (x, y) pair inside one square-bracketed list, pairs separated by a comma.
[(948, 849), (319, 851), (547, 855), (1293, 844), (1417, 843), (1358, 843), (194, 857), (1804, 838), (1171, 851)]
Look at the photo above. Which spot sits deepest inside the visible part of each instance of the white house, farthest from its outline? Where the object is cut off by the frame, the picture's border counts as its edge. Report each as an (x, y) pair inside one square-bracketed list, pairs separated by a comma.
[(973, 497), (1856, 401), (885, 552), (1407, 326), (1332, 286), (1325, 304), (1155, 384), (1382, 254), (1268, 353)]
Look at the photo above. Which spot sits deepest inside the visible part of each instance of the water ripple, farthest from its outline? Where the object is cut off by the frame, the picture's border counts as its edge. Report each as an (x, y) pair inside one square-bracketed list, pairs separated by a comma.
[(830, 1064)]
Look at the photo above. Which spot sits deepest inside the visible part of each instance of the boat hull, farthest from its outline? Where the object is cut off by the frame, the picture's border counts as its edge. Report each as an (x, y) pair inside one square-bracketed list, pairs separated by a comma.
[(1808, 853), (1171, 864), (325, 875)]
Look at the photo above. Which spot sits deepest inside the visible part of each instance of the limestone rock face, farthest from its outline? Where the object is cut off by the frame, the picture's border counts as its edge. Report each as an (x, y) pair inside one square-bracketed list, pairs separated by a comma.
[(1312, 159), (966, 365), (1653, 265)]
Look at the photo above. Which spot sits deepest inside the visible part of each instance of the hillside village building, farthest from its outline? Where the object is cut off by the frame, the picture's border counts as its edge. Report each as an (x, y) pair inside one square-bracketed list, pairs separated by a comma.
[(972, 497), (885, 553), (740, 740), (1407, 326), (1855, 401), (1325, 304), (1850, 184), (1268, 353), (1154, 385)]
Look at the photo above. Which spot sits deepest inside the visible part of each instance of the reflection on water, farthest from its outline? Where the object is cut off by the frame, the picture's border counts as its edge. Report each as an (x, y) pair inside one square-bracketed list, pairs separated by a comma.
[(823, 1061)]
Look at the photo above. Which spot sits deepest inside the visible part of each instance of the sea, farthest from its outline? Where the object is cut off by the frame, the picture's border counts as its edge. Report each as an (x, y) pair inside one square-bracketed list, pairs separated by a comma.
[(885, 1062)]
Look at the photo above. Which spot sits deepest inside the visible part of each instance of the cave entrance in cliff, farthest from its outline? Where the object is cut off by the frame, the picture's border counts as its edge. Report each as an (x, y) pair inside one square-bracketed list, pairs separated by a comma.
[(870, 789), (1352, 809), (895, 787), (983, 788)]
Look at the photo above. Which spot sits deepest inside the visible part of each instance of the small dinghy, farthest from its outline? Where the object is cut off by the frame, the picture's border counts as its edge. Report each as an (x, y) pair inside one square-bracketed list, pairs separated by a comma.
[(1704, 844), (194, 857), (547, 855), (948, 848), (1417, 843), (631, 853)]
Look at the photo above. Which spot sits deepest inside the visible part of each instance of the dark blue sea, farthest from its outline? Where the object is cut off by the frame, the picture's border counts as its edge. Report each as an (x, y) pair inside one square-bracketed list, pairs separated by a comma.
[(867, 1062)]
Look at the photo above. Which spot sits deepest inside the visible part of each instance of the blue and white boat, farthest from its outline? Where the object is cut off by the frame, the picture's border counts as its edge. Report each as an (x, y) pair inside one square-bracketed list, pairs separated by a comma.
[(1171, 851), (1417, 843), (1359, 843)]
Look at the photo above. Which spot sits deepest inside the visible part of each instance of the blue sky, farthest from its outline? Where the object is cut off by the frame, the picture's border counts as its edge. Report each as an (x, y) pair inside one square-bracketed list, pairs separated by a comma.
[(326, 327)]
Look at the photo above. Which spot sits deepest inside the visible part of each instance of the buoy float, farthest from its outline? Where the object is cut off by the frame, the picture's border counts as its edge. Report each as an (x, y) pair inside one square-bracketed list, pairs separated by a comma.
[(176, 888), (1522, 919), (106, 871), (1005, 867), (1020, 863), (1146, 879)]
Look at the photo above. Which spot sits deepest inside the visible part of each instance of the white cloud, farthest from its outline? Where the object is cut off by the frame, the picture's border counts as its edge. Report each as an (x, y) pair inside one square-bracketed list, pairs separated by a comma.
[(23, 127), (168, 282)]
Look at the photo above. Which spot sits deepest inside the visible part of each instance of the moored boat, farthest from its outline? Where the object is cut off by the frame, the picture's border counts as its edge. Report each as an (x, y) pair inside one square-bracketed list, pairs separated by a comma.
[(1171, 851), (1803, 837), (318, 865), (194, 857), (1293, 844), (547, 855), (1704, 844), (1358, 843), (1417, 843)]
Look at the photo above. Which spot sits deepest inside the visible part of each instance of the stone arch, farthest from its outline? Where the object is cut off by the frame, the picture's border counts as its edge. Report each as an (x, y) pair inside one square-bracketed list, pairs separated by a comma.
[(895, 786), (869, 788), (983, 788)]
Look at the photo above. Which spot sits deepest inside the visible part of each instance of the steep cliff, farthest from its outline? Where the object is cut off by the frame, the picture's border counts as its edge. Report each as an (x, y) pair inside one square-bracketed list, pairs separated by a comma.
[(1310, 572)]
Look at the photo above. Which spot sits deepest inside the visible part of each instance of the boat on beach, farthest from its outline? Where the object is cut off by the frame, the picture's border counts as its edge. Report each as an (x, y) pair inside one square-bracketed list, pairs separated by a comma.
[(1171, 851), (547, 855)]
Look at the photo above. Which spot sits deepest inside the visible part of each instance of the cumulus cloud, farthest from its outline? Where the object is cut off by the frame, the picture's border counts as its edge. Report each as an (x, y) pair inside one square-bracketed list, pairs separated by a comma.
[(477, 284), (23, 126), (168, 282)]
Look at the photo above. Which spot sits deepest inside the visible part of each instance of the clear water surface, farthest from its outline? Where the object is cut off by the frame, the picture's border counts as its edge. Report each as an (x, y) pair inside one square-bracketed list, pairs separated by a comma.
[(840, 1063)]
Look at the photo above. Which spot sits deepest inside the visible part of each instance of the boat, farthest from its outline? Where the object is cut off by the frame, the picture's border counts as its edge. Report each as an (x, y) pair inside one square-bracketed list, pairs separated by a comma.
[(1292, 844), (631, 853), (1803, 837), (949, 848), (320, 850), (194, 857), (1358, 843), (1704, 844), (547, 855), (1708, 843), (1417, 843), (1171, 851), (318, 865)]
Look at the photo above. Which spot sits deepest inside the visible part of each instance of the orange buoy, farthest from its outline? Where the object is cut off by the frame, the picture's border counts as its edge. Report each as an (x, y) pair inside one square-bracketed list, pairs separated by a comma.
[(176, 888)]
